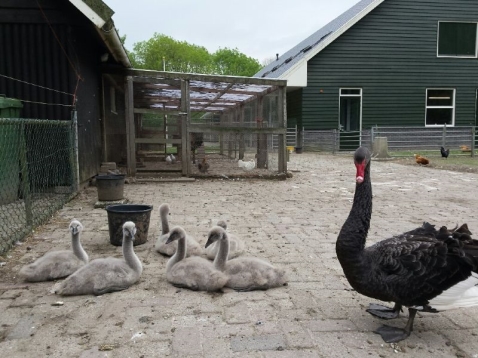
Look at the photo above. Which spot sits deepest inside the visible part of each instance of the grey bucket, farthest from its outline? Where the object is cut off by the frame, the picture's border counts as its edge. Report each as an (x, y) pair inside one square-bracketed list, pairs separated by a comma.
[(119, 214), (110, 187)]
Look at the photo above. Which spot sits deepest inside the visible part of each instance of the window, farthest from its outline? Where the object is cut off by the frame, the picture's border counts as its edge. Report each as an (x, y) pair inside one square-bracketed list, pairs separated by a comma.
[(440, 107), (457, 39)]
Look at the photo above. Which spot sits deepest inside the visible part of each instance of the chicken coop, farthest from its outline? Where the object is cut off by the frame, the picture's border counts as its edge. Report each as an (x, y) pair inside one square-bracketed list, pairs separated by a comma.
[(165, 123)]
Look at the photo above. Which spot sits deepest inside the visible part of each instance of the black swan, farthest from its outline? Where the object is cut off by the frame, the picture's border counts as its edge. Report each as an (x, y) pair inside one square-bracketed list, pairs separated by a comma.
[(423, 269)]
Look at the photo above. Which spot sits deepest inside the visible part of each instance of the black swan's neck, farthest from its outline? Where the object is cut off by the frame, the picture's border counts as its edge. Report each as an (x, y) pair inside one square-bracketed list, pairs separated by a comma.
[(352, 236)]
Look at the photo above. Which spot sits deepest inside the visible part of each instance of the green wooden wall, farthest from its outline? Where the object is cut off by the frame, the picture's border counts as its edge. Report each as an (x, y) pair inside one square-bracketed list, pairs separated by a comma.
[(391, 55)]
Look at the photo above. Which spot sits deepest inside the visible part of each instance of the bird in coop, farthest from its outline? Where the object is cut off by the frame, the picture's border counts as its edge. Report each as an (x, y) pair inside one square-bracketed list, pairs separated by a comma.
[(421, 160), (171, 159), (465, 148), (247, 166), (445, 152), (203, 166)]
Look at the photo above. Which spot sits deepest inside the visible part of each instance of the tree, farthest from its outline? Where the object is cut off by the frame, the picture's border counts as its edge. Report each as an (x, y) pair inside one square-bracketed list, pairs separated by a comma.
[(181, 56), (232, 62), (178, 56)]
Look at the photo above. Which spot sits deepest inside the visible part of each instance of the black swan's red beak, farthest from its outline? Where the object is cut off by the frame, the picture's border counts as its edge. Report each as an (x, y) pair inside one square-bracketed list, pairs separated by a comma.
[(360, 171)]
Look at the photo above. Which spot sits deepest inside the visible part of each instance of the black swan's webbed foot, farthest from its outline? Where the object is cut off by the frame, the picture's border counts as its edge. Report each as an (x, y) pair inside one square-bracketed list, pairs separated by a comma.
[(393, 334), (384, 312)]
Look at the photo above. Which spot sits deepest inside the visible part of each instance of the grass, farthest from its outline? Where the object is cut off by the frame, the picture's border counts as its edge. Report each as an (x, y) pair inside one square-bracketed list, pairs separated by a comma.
[(457, 161)]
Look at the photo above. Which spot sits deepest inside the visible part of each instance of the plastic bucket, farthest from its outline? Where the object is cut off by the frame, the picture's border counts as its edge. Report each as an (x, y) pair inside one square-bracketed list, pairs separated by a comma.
[(119, 214), (110, 187)]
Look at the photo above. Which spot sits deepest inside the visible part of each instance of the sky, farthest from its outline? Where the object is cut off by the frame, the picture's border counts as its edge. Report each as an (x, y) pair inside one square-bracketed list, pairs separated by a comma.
[(258, 28)]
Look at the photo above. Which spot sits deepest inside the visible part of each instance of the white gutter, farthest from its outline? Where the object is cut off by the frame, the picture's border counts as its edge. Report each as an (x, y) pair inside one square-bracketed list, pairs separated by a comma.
[(112, 40), (107, 31), (89, 13)]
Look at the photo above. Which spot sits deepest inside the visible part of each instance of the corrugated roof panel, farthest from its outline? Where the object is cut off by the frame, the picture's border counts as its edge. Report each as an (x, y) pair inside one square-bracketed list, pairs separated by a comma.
[(298, 52)]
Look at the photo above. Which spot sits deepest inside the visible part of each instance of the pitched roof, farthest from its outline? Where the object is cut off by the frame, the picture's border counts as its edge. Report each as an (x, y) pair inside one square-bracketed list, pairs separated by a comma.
[(297, 57)]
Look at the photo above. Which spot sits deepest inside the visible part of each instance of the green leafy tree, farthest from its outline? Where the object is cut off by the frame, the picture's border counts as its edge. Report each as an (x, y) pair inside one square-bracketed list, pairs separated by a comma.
[(179, 56), (163, 52), (232, 62)]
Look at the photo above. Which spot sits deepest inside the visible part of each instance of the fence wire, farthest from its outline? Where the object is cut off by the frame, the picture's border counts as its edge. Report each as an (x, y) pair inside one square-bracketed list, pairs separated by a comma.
[(37, 174)]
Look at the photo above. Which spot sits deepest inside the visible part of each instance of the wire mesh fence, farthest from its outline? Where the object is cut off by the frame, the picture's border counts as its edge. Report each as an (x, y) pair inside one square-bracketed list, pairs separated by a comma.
[(234, 154), (38, 174)]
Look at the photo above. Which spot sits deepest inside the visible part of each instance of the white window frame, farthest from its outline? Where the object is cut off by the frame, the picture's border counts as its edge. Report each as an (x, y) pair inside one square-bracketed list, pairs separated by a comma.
[(458, 56), (352, 95), (434, 107)]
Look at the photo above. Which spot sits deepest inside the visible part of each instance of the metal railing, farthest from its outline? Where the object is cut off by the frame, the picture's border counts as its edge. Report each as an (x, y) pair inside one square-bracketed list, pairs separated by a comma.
[(38, 174), (428, 140), (401, 140)]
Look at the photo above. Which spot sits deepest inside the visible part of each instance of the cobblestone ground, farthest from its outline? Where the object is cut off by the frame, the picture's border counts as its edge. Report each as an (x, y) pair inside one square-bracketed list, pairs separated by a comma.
[(293, 224)]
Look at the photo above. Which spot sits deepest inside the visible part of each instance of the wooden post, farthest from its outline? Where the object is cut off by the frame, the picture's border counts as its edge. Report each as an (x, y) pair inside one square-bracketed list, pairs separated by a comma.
[(261, 138), (185, 141), (242, 144), (230, 136), (282, 138), (130, 135), (25, 184), (473, 141), (443, 138), (74, 161)]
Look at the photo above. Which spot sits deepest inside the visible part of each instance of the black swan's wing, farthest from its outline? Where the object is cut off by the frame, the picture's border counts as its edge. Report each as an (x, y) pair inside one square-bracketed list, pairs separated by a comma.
[(417, 266)]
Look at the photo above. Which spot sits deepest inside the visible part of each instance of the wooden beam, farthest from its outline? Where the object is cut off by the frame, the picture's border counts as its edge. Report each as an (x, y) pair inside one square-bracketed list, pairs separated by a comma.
[(157, 141), (156, 110), (151, 82), (220, 129), (130, 135), (194, 76)]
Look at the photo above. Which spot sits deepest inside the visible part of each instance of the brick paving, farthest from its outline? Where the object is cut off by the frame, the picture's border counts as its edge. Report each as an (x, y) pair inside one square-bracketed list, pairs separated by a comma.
[(292, 223)]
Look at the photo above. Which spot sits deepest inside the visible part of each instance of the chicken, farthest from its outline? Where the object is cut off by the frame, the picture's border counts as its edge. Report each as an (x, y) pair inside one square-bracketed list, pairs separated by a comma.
[(171, 159), (445, 153), (197, 141), (465, 148), (421, 160), (247, 166), (203, 166)]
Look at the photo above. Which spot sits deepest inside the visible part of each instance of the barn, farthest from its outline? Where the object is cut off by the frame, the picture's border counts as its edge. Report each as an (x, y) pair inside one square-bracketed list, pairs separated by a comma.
[(408, 63)]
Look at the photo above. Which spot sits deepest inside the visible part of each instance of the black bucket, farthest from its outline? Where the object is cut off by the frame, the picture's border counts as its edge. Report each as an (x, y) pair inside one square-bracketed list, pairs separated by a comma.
[(119, 214), (110, 187), (298, 150)]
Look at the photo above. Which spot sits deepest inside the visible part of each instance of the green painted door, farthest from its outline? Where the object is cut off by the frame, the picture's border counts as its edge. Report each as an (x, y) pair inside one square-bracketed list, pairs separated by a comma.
[(350, 118)]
